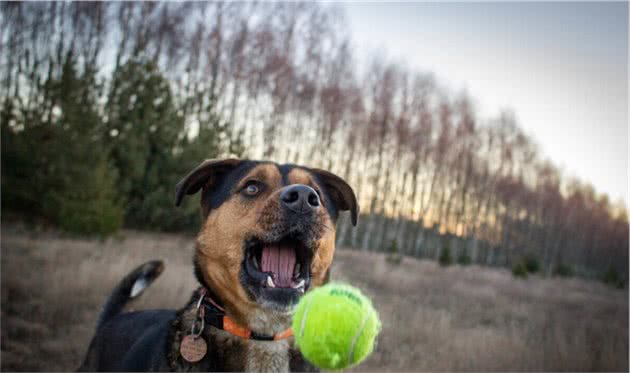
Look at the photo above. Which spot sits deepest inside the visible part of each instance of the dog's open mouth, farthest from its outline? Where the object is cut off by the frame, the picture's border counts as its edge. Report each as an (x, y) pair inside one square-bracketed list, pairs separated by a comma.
[(281, 266)]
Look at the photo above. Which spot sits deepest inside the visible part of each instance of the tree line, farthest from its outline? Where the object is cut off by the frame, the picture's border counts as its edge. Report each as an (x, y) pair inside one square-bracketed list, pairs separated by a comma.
[(106, 105)]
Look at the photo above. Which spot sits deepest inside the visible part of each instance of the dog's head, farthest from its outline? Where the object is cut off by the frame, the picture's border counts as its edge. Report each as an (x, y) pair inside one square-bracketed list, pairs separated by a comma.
[(269, 230)]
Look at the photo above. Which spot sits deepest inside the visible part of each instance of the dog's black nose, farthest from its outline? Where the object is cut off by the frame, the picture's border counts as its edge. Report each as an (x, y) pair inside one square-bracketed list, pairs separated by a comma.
[(300, 198)]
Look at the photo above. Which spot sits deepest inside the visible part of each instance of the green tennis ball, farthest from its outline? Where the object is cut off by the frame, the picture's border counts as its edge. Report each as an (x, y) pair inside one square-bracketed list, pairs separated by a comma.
[(335, 326)]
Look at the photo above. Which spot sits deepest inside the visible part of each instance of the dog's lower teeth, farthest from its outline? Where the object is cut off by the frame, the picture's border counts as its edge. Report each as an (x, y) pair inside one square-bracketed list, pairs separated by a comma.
[(300, 285), (270, 282)]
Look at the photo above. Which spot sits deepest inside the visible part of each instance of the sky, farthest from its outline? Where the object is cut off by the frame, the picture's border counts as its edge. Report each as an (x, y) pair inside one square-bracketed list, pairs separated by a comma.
[(562, 68)]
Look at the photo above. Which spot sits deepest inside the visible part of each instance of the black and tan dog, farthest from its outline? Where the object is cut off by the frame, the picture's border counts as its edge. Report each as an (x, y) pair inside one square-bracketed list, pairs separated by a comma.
[(268, 236)]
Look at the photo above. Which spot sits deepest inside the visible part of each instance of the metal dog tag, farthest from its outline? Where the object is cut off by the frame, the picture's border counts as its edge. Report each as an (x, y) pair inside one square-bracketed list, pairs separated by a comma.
[(193, 348)]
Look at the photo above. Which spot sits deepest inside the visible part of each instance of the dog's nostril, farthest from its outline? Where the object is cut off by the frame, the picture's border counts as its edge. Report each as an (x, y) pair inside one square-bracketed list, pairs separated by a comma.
[(291, 197), (313, 199)]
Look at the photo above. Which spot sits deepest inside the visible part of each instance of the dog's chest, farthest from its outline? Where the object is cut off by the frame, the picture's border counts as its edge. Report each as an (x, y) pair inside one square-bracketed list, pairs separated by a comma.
[(227, 352), (264, 356), (251, 355), (230, 353)]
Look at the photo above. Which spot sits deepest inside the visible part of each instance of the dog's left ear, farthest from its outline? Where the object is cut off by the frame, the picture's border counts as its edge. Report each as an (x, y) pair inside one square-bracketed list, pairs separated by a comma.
[(206, 175), (341, 193)]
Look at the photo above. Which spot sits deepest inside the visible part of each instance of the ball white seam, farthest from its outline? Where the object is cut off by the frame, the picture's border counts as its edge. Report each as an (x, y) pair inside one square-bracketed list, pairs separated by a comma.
[(356, 336), (308, 304)]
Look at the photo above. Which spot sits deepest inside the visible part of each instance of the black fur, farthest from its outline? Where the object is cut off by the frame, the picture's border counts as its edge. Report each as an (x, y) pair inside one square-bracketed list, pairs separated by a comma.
[(149, 340), (131, 342), (223, 190), (285, 169)]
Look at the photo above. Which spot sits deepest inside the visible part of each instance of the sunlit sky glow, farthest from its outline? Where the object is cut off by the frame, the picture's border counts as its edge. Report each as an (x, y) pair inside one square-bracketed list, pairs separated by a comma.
[(561, 67)]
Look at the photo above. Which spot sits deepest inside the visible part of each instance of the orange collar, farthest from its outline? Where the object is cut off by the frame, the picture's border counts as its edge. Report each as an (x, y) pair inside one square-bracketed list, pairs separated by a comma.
[(233, 328), (216, 317)]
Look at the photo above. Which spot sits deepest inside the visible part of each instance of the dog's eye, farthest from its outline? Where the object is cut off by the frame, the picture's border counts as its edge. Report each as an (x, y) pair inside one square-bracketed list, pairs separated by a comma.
[(251, 188)]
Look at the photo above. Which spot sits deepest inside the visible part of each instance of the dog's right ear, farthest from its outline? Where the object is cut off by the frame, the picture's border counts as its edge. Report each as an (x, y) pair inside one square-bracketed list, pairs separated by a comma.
[(206, 175)]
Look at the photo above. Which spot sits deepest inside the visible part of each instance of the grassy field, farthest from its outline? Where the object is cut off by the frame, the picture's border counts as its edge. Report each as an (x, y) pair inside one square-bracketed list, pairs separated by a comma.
[(434, 319)]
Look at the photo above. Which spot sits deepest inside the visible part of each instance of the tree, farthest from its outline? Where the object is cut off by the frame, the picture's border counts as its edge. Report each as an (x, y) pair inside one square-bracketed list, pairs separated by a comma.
[(54, 164)]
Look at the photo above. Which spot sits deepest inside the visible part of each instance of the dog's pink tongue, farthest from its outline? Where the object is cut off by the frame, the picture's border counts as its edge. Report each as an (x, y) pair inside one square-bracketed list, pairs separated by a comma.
[(280, 260)]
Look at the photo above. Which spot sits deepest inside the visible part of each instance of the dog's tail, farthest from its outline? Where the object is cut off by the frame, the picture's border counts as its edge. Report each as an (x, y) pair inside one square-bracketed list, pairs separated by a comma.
[(130, 287)]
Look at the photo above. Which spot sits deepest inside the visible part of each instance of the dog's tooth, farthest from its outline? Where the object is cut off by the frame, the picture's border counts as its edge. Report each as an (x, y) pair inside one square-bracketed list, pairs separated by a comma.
[(296, 270), (299, 284), (270, 282)]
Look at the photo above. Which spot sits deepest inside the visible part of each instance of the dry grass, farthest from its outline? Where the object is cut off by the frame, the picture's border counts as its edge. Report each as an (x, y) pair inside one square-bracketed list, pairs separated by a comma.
[(434, 319)]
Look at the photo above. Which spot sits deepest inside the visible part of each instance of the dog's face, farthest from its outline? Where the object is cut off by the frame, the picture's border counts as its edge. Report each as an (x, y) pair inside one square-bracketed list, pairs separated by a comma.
[(269, 230)]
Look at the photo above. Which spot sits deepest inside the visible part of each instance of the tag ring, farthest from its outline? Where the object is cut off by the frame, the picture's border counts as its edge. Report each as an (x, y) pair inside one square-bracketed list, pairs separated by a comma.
[(203, 319)]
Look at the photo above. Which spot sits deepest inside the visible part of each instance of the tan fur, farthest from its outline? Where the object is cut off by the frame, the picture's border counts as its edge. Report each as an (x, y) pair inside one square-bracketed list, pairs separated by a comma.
[(268, 321), (219, 244), (323, 258), (300, 176), (219, 252), (326, 245)]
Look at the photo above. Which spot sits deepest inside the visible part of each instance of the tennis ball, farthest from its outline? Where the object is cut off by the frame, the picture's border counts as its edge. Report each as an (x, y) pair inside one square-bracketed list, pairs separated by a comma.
[(335, 326)]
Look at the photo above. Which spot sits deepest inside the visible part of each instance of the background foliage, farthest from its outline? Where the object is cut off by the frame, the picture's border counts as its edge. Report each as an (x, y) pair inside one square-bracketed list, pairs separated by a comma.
[(106, 105)]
